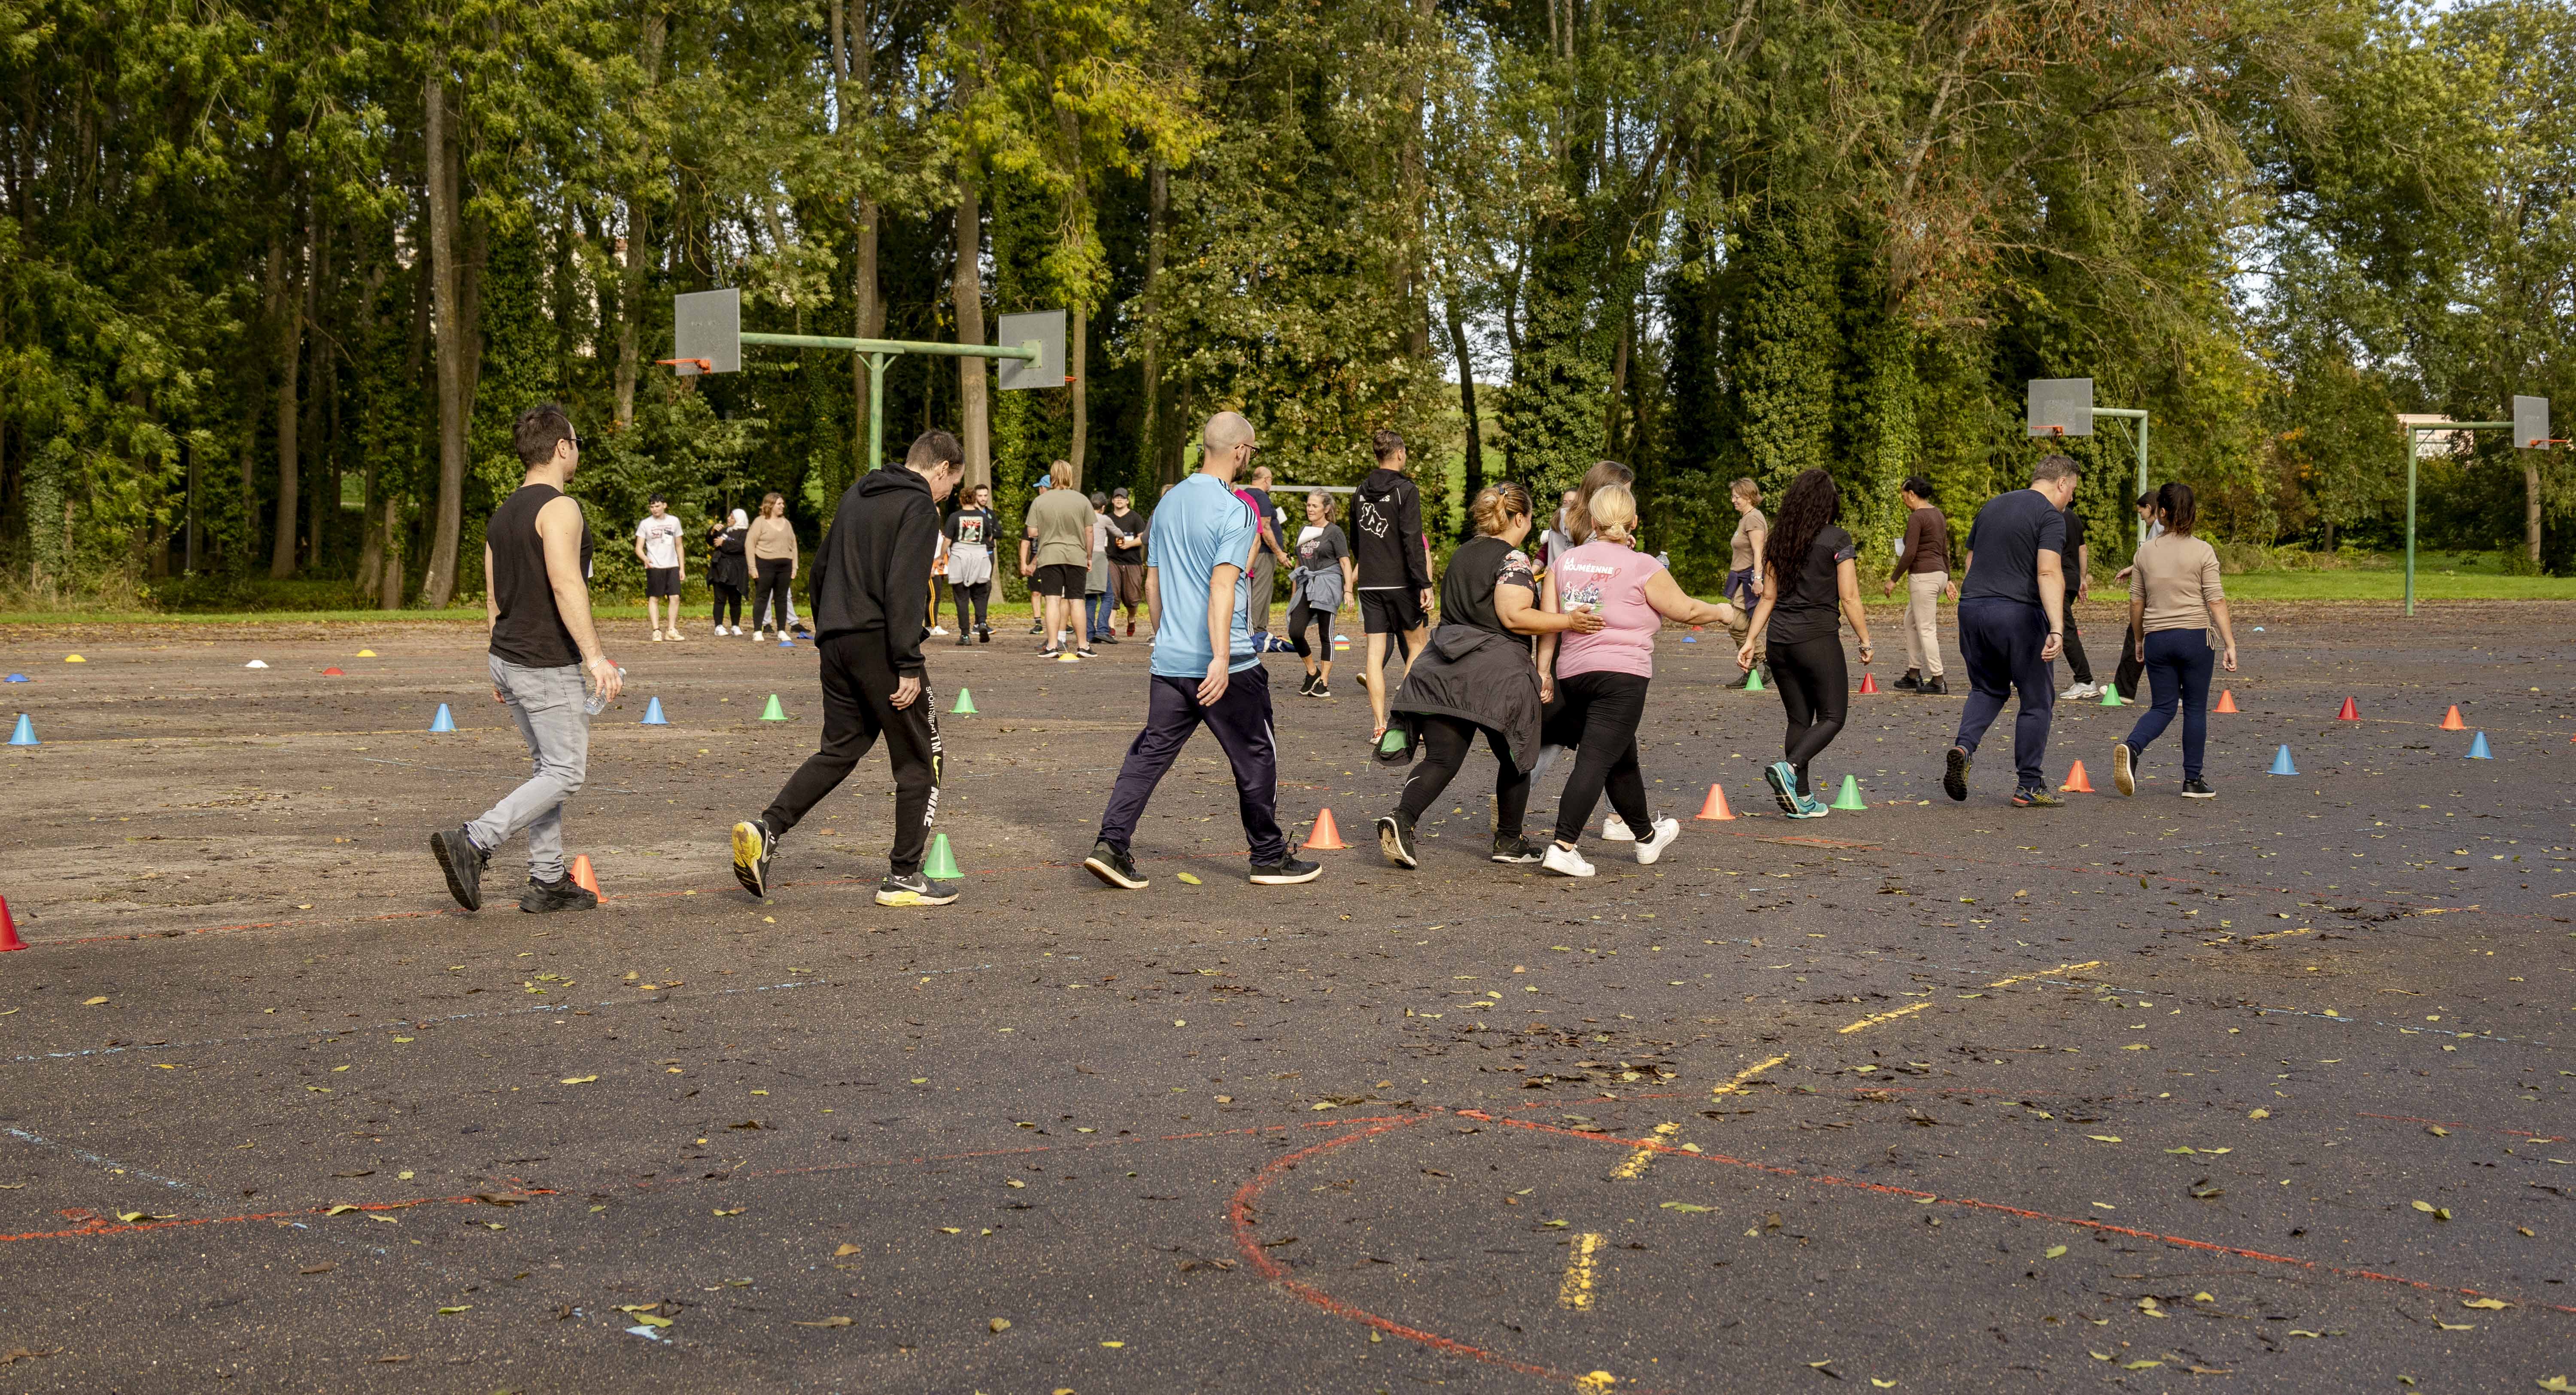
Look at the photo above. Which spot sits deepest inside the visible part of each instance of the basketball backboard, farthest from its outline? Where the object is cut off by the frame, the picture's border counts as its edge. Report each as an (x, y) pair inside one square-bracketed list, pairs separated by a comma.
[(706, 327), (2061, 406), (2531, 422), (1045, 329)]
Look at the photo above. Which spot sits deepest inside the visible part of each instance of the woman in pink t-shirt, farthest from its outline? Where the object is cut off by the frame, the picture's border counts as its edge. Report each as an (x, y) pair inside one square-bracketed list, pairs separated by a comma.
[(1601, 677)]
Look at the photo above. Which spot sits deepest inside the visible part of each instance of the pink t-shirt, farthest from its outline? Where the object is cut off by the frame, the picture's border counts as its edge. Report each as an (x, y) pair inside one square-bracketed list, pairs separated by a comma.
[(1609, 578)]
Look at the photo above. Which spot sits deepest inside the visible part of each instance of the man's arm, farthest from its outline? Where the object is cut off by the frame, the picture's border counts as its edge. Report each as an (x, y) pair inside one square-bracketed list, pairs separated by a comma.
[(1220, 623), (680, 552), (559, 531), (2052, 598), (491, 597), (1154, 597), (1410, 541), (1027, 540), (907, 601), (640, 554)]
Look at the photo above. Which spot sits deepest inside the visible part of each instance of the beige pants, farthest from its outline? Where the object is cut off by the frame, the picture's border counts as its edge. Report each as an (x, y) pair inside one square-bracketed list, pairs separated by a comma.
[(1922, 608)]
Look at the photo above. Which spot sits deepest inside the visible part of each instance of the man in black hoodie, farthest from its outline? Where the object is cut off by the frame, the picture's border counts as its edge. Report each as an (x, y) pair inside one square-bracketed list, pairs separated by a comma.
[(1394, 566), (868, 618)]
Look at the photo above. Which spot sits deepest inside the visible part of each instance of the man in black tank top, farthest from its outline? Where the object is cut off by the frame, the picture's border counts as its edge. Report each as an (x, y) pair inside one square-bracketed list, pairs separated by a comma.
[(536, 570)]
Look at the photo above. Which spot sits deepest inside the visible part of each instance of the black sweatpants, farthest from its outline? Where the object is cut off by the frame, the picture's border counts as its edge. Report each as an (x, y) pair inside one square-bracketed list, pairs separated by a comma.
[(974, 593), (771, 578), (2080, 666), (1598, 714), (1240, 721), (1445, 742), (1815, 689), (858, 706), (726, 596), (1300, 615), (2131, 669)]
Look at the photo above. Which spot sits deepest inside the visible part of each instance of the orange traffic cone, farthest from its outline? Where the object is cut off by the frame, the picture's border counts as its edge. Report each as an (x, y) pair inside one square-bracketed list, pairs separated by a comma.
[(1868, 683), (2452, 722), (8, 929), (2075, 781), (582, 876), (2226, 700), (333, 672), (1715, 810), (1326, 835), (2349, 713)]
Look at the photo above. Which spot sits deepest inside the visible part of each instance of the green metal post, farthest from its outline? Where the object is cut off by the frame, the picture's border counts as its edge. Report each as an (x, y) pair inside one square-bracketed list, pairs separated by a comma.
[(2414, 430)]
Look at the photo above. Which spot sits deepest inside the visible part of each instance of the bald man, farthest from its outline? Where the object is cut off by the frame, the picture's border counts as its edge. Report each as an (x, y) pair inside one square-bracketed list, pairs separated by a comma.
[(1205, 669)]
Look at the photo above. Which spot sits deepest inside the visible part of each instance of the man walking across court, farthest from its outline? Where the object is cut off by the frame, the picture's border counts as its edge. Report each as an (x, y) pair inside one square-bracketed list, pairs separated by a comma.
[(1204, 668), (2012, 617), (536, 565), (666, 566), (1394, 570), (869, 605)]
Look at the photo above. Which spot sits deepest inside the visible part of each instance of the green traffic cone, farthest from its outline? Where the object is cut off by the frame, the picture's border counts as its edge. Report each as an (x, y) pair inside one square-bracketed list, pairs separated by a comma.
[(2111, 696), (942, 866), (1850, 798), (965, 704), (775, 713), (1753, 679)]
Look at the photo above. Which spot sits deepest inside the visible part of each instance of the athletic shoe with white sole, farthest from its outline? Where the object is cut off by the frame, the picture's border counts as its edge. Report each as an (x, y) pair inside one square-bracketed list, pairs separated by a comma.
[(2124, 768), (1782, 777), (1395, 839), (2081, 690), (2036, 797), (1114, 866), (1614, 829), (1954, 773), (753, 845), (463, 863), (562, 894), (1564, 861), (1659, 838), (1287, 871), (914, 890), (1514, 849), (2198, 789)]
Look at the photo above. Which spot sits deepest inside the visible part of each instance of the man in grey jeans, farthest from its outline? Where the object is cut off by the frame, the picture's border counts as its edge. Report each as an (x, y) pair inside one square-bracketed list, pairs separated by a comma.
[(536, 568)]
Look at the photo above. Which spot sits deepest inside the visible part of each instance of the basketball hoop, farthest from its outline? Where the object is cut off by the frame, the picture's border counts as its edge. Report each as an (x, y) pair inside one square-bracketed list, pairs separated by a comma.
[(702, 365)]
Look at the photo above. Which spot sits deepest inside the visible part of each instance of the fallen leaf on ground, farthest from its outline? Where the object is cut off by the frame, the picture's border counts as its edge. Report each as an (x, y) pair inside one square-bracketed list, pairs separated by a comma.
[(1184, 876), (828, 1322), (2054, 1251), (2490, 1304), (577, 1080), (2103, 1137), (460, 1308), (1685, 1207), (845, 1250), (999, 1325), (93, 1002)]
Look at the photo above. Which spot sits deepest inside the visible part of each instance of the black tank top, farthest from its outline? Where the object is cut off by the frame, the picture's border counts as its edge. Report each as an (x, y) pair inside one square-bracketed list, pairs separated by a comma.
[(529, 631)]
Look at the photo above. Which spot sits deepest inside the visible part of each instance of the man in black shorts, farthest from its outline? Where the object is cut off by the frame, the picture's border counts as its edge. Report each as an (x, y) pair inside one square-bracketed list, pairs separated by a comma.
[(660, 547), (1057, 544), (1394, 569)]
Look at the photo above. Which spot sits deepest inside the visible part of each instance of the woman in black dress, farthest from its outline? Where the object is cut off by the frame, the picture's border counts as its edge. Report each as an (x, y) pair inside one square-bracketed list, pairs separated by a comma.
[(728, 576)]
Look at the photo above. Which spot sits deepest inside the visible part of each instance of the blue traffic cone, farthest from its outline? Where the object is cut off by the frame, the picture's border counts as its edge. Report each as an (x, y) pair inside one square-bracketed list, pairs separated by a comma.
[(653, 715), (442, 722), (18, 678), (1690, 639), (2477, 746), (2281, 763), (25, 735)]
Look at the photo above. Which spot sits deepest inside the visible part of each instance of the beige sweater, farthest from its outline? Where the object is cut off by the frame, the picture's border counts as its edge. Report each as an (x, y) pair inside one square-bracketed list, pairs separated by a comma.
[(2177, 577), (771, 540)]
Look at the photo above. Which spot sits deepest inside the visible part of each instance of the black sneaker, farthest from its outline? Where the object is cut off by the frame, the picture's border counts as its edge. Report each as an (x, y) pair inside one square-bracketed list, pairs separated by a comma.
[(2124, 768), (1320, 690), (753, 845), (1049, 651), (1394, 838), (2036, 797), (1515, 849), (463, 862), (1037, 627), (1114, 866), (983, 634), (962, 640), (2197, 788), (1741, 680), (1306, 686), (1104, 637), (1287, 871), (561, 895), (914, 890), (1912, 682), (1934, 687), (1083, 651), (1954, 774)]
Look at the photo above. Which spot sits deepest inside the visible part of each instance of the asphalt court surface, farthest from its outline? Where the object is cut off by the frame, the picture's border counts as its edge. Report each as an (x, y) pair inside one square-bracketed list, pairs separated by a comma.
[(2263, 1092)]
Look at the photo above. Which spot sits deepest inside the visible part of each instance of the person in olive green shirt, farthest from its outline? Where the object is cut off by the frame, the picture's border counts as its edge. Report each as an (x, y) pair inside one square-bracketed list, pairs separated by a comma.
[(1059, 556)]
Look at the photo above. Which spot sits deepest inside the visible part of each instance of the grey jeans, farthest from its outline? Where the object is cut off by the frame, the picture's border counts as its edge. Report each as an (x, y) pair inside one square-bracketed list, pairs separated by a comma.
[(1256, 597), (547, 705)]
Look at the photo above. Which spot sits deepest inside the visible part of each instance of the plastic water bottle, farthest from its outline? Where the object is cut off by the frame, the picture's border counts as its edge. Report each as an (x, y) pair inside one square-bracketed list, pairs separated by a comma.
[(597, 702), (1664, 560)]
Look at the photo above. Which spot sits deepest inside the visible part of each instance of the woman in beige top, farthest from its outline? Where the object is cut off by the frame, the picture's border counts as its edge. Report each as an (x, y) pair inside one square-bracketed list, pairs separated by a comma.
[(2174, 602), (772, 546)]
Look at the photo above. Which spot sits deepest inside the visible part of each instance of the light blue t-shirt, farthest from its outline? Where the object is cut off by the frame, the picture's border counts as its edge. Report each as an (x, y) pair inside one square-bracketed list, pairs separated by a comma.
[(1198, 525)]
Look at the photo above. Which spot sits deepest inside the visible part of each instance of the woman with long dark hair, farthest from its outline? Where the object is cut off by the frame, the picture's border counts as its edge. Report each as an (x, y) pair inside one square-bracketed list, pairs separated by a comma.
[(2174, 602), (1578, 514), (1475, 675), (1809, 581)]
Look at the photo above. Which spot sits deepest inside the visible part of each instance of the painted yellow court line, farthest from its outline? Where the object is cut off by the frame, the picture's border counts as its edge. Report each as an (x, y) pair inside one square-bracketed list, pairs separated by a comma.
[(1639, 1160), (2060, 969), (1576, 1291), (1744, 1077), (1882, 1017)]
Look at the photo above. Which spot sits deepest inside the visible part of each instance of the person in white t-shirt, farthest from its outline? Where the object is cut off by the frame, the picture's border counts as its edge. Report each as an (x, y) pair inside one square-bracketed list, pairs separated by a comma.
[(666, 565)]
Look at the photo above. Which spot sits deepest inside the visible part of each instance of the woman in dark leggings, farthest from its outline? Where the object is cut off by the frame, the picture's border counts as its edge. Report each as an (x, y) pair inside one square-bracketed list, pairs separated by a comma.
[(1315, 591), (1809, 582), (1475, 675)]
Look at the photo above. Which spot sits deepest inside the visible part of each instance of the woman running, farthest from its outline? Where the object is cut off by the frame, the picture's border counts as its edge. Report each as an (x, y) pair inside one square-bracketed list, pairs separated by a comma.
[(971, 531), (1601, 674), (1315, 591), (1808, 579), (1475, 675), (2174, 602)]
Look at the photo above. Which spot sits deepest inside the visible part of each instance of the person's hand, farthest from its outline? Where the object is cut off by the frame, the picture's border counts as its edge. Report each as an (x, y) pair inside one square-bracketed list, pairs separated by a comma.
[(1426, 600), (2138, 650), (1546, 688), (1950, 589), (2122, 574), (2228, 659), (1889, 589), (497, 697), (611, 679), (907, 690), (2048, 652), (1212, 687), (1583, 622), (1744, 657), (1868, 652)]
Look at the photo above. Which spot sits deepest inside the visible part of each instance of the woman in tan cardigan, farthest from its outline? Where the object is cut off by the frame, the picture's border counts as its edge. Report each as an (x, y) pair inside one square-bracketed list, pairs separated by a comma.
[(772, 546)]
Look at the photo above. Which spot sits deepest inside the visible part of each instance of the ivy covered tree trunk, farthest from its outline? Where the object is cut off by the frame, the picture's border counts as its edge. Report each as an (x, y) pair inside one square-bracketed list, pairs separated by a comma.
[(1783, 344), (1551, 411)]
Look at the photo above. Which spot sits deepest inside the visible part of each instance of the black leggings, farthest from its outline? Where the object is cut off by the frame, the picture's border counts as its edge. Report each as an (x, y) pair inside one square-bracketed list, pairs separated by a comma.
[(1299, 617), (727, 596), (1815, 688), (1598, 714), (2074, 647), (772, 580), (1445, 741), (966, 593)]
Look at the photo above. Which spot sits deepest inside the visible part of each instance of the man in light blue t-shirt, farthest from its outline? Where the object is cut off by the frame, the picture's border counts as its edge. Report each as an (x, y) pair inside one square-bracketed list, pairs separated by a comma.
[(1204, 669)]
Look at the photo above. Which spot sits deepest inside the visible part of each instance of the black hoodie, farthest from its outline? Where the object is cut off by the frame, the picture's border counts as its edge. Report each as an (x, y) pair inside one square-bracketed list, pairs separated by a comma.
[(1386, 534), (873, 570)]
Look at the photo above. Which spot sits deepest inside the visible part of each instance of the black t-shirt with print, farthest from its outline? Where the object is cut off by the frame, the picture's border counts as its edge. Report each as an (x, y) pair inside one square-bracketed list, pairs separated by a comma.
[(1475, 569)]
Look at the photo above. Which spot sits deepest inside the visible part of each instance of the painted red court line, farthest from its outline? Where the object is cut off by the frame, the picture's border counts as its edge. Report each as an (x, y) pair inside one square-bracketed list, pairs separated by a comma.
[(98, 1225), (1970, 1203), (2456, 1124)]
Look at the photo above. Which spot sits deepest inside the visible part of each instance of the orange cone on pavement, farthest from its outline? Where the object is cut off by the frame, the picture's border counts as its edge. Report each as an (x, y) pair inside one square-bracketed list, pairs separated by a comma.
[(1326, 835), (582, 876), (2226, 700), (1715, 810), (8, 929), (2349, 713), (1868, 683), (2452, 722), (2075, 781)]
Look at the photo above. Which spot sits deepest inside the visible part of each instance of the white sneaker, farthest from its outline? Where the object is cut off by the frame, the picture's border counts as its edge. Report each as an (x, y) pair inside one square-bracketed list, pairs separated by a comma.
[(657, 636), (1653, 845), (1565, 861), (2081, 690), (1614, 829), (675, 633), (938, 629)]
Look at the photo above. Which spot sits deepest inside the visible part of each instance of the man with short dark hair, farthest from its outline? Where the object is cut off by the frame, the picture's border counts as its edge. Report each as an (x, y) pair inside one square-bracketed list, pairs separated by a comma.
[(2012, 608), (1393, 570), (536, 600), (659, 547), (869, 606)]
